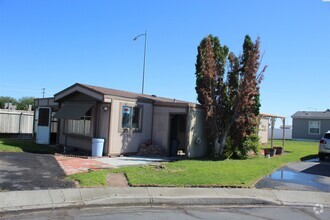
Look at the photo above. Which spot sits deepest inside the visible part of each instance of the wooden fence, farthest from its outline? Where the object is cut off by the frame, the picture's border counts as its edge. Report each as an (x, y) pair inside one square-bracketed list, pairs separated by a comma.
[(16, 122)]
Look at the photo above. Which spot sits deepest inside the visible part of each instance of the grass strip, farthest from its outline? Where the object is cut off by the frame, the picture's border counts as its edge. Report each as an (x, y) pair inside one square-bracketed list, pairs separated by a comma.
[(205, 173)]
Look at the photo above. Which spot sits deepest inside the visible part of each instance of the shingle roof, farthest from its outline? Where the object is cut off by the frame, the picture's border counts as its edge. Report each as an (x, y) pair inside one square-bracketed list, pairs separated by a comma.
[(312, 114), (132, 95)]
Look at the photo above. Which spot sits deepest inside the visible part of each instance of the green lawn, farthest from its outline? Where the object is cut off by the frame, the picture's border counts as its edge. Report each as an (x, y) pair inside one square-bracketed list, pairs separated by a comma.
[(15, 145), (232, 173)]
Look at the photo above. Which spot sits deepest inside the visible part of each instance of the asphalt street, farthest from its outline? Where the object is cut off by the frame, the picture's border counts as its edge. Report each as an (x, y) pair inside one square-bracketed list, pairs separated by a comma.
[(311, 175), (159, 213), (27, 171)]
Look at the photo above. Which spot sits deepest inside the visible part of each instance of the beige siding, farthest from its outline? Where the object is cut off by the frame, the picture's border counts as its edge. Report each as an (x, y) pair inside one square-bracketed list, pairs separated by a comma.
[(196, 130), (263, 130), (161, 124), (128, 141), (104, 125)]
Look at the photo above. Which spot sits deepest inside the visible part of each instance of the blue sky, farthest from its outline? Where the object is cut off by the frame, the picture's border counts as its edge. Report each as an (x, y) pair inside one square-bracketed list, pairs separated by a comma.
[(53, 44)]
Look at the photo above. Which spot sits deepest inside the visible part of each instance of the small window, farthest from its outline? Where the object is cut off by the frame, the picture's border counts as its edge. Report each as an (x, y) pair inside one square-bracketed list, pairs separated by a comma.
[(314, 127), (81, 126), (43, 117), (131, 117)]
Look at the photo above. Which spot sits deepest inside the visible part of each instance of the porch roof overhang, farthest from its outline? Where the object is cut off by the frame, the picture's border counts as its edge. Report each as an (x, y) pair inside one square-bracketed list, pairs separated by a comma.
[(73, 110), (77, 88), (272, 119), (270, 115)]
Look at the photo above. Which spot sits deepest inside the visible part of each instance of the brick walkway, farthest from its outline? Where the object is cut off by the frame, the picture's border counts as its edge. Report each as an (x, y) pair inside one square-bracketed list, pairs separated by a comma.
[(72, 165)]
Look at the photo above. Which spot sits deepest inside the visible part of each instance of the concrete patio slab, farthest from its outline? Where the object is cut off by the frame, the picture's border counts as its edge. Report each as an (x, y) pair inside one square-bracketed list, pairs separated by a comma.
[(131, 160), (72, 165)]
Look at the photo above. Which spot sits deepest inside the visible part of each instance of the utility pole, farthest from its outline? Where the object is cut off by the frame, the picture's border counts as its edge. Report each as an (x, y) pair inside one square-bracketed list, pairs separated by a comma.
[(43, 92)]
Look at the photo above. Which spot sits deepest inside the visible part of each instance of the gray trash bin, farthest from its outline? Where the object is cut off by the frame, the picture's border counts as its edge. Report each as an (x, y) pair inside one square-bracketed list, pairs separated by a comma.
[(97, 147)]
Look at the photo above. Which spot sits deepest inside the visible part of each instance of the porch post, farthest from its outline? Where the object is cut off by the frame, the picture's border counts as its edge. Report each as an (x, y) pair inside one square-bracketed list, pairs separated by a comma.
[(283, 120), (272, 131)]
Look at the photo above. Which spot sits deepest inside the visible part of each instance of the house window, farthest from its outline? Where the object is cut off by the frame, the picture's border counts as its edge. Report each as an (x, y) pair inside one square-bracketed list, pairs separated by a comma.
[(131, 118), (314, 127), (81, 126)]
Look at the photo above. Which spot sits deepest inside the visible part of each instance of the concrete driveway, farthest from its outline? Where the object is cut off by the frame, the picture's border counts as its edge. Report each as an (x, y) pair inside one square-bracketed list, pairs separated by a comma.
[(311, 175), (26, 171)]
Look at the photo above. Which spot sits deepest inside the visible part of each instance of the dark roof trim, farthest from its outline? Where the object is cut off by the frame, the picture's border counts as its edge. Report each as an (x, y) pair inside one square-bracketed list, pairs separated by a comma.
[(75, 85), (106, 93), (79, 88), (312, 115)]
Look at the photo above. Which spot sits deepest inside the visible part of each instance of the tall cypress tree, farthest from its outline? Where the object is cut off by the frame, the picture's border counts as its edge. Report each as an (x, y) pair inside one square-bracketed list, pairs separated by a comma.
[(247, 121), (230, 101), (210, 69)]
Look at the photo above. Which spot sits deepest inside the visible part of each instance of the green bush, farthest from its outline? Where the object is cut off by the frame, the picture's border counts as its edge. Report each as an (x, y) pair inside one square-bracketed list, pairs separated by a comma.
[(250, 143)]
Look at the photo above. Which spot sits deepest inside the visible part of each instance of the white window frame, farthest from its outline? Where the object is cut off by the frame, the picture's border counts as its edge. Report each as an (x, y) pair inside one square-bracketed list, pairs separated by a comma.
[(309, 127), (131, 107)]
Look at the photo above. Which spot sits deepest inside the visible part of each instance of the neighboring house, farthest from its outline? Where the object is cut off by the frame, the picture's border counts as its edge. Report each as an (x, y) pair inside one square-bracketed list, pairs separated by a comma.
[(125, 120), (310, 124)]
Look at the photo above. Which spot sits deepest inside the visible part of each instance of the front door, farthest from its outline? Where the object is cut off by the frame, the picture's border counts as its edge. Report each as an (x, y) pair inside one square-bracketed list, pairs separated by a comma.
[(178, 135), (43, 126)]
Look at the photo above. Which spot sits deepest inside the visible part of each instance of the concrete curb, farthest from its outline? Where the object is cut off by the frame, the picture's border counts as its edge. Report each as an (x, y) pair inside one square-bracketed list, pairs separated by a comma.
[(155, 196)]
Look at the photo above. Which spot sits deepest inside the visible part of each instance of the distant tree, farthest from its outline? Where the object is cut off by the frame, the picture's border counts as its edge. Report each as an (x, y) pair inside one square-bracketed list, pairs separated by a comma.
[(7, 99), (231, 101), (24, 102)]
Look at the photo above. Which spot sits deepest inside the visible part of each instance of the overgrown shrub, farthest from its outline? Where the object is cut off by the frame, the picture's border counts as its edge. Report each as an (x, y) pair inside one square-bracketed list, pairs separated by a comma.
[(251, 143)]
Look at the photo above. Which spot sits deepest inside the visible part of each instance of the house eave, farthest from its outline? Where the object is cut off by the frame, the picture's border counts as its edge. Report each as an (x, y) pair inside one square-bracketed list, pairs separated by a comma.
[(307, 118), (81, 89)]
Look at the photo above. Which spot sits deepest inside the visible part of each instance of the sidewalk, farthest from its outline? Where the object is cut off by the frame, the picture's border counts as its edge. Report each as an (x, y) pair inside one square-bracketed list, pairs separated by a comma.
[(155, 196)]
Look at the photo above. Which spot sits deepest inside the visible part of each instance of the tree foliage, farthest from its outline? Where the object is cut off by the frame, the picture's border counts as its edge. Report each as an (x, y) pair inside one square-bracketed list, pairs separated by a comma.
[(7, 99), (210, 67), (228, 88), (22, 104)]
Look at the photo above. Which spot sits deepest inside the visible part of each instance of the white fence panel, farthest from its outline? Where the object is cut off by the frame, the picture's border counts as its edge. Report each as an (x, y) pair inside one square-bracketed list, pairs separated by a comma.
[(278, 133), (16, 122)]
